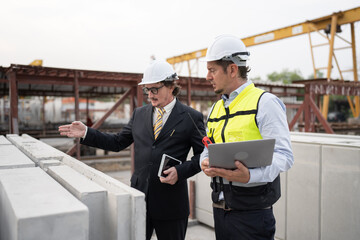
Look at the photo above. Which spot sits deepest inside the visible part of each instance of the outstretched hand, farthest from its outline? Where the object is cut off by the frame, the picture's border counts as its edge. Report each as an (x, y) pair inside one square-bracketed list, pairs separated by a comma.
[(75, 129)]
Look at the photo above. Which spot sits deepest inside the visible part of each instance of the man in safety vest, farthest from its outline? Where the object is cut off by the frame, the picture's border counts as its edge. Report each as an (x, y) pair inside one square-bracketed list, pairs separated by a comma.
[(243, 198)]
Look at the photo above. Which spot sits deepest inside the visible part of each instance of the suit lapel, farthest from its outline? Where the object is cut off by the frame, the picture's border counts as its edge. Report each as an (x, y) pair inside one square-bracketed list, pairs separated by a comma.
[(176, 116), (149, 120)]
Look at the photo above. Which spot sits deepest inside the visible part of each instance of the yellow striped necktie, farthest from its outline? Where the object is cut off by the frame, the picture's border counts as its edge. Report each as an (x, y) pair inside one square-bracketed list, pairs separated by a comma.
[(158, 122)]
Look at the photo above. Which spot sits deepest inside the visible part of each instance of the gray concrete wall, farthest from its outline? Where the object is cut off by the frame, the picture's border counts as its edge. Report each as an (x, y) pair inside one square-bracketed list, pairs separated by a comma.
[(320, 193)]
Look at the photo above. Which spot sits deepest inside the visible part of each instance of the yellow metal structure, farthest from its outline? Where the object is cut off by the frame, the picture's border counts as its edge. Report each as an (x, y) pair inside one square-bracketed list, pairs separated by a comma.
[(345, 17), (336, 19), (37, 62)]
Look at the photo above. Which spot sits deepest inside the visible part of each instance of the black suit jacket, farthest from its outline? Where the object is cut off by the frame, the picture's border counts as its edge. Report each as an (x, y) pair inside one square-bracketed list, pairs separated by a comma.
[(164, 201)]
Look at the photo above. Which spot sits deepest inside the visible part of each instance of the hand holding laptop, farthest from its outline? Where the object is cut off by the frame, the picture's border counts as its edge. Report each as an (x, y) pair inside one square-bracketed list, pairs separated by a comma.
[(240, 174), (253, 153)]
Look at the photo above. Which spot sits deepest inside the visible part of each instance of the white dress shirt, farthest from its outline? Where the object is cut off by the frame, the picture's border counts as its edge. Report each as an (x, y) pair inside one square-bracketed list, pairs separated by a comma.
[(168, 108), (272, 123)]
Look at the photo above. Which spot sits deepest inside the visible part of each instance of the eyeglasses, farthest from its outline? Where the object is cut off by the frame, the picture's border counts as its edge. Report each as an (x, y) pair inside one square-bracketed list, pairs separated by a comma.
[(153, 90)]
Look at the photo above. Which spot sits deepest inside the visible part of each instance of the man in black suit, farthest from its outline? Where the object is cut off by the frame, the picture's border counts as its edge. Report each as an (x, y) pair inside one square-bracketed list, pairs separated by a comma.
[(175, 133)]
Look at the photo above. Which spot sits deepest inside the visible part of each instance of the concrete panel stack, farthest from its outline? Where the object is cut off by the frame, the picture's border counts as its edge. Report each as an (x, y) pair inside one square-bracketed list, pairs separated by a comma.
[(89, 193), (45, 164), (4, 141), (320, 193), (11, 156), (117, 211), (203, 209), (34, 149), (127, 213), (34, 206)]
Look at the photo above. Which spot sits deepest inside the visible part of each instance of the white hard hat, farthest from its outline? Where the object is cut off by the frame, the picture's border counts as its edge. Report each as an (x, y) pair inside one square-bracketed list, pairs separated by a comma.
[(228, 48), (158, 71)]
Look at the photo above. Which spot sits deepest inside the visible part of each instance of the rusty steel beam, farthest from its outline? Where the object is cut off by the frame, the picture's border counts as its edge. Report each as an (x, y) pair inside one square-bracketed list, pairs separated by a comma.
[(76, 107), (98, 123), (335, 88), (13, 121)]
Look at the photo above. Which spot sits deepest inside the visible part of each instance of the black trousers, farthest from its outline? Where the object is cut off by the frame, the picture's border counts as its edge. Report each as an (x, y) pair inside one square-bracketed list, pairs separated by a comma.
[(244, 225), (166, 229)]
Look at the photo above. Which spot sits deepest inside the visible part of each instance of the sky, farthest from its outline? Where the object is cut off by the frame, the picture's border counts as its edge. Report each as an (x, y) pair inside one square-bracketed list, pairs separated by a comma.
[(122, 35)]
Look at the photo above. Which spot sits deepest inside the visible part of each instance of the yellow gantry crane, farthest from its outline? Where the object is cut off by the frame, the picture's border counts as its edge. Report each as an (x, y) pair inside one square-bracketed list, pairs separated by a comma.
[(331, 24)]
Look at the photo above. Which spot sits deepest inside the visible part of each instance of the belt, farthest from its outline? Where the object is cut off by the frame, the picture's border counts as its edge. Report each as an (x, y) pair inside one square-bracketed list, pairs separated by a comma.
[(221, 204)]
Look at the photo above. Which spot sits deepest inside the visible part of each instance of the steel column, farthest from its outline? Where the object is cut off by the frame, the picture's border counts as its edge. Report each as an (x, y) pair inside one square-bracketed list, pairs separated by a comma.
[(13, 94), (132, 107), (98, 123), (189, 92), (353, 47), (77, 112), (334, 18)]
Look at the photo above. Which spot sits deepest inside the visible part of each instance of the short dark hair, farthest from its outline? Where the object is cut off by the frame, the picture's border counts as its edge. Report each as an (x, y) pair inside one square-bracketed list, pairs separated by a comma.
[(169, 84), (243, 70)]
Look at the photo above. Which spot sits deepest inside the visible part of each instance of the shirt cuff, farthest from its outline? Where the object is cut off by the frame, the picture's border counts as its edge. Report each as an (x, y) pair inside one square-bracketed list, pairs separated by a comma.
[(255, 175), (203, 155), (86, 129)]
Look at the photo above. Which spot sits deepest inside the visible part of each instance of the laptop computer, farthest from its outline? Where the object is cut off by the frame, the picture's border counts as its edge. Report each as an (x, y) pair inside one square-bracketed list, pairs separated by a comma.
[(253, 153)]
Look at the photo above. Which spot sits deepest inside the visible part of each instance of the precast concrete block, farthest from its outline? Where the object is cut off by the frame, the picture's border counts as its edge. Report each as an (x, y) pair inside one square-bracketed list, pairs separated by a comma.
[(126, 209), (12, 157), (39, 151), (303, 213), (119, 214), (126, 205), (34, 206), (280, 208), (20, 140), (203, 205), (4, 141), (340, 188), (45, 164), (35, 149), (89, 193)]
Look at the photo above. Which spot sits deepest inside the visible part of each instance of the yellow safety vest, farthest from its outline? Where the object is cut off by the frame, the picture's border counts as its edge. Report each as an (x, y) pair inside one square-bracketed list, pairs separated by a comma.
[(238, 121)]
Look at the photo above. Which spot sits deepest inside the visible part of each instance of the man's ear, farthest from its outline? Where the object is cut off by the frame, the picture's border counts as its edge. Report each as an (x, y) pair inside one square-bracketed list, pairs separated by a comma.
[(233, 70)]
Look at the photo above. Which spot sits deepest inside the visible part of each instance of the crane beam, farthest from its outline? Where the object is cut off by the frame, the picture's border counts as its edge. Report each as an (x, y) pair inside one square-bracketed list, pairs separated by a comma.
[(343, 17)]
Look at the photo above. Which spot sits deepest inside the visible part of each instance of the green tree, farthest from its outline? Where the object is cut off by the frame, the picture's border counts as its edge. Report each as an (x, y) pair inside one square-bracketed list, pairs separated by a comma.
[(256, 78), (318, 75), (285, 76)]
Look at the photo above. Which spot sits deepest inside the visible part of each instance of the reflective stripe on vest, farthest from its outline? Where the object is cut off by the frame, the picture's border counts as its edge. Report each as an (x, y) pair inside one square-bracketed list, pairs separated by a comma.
[(238, 121)]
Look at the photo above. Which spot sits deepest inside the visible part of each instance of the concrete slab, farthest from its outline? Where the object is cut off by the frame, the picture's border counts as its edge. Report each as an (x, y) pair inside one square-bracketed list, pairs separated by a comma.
[(124, 206), (203, 205), (19, 140), (34, 206), (4, 141), (340, 205), (12, 157), (45, 164), (35, 149), (89, 193), (126, 222), (303, 213)]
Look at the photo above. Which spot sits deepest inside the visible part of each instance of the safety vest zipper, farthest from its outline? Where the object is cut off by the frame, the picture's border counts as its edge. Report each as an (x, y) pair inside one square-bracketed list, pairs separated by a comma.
[(225, 123)]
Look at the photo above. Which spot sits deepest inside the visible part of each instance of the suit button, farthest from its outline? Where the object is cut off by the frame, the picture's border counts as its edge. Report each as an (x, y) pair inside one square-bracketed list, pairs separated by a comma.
[(150, 163), (153, 147)]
